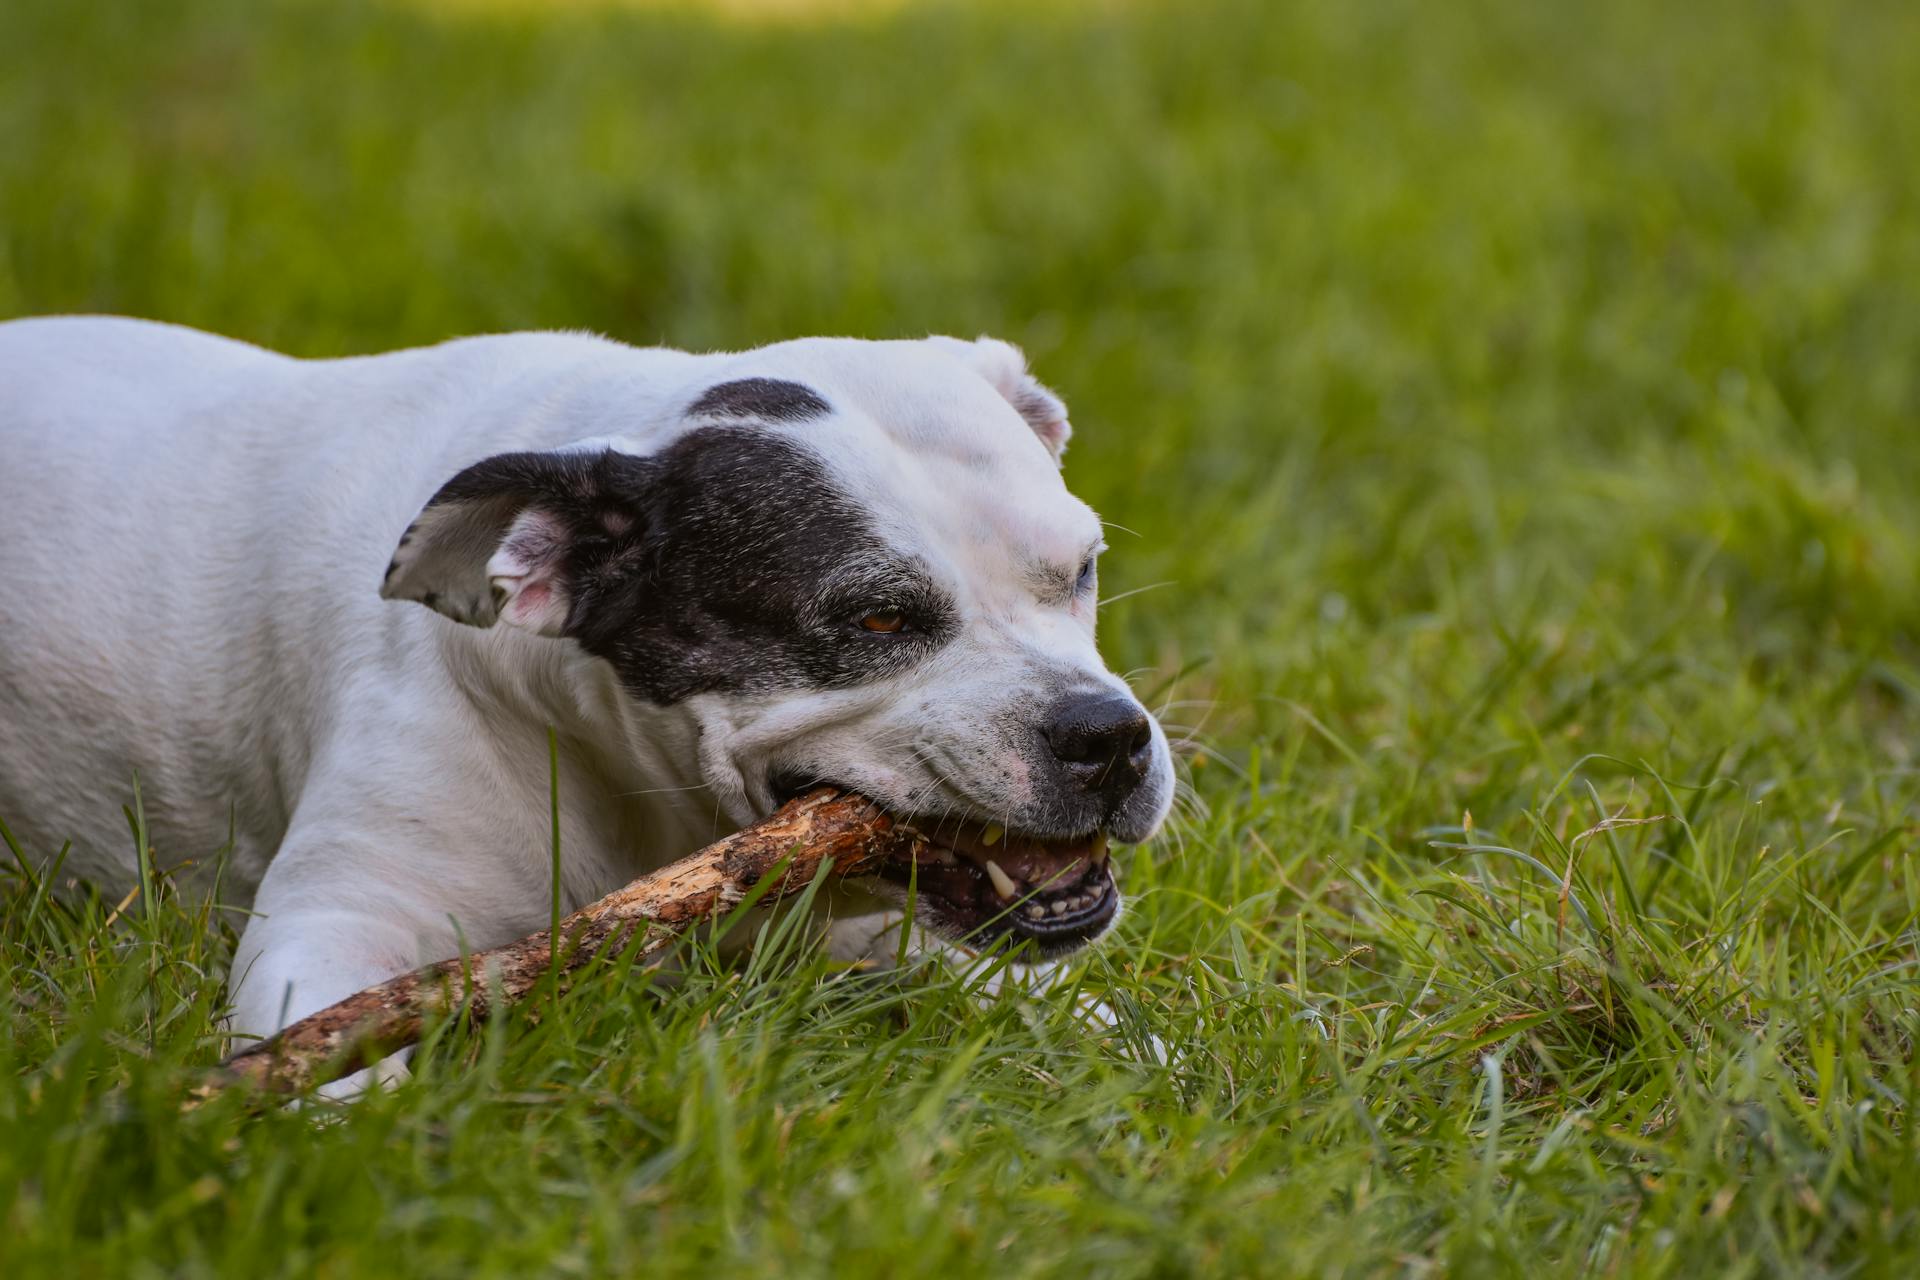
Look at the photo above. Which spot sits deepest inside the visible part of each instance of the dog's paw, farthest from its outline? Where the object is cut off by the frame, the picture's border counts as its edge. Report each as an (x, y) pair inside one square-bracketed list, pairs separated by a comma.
[(388, 1073), (871, 941)]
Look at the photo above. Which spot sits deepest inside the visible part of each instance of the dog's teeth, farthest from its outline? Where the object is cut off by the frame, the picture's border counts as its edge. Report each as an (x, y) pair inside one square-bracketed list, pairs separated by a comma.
[(1002, 882), (1059, 908), (991, 836), (1035, 911), (1099, 855)]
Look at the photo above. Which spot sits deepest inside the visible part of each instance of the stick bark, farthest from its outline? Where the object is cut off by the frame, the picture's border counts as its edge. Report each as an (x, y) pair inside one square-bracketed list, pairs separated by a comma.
[(844, 833)]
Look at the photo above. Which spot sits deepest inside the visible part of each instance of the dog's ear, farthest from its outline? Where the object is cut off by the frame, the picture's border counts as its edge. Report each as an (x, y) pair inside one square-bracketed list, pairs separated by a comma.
[(1003, 365), (505, 539)]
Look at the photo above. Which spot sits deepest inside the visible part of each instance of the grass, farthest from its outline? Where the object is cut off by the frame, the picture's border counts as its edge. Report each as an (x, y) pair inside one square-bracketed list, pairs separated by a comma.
[(1519, 405)]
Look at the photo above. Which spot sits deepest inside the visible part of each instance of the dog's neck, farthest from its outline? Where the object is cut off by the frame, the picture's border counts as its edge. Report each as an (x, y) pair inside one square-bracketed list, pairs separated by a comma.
[(630, 773)]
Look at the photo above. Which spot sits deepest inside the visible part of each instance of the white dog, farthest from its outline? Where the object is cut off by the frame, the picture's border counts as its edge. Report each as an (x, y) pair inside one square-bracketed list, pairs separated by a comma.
[(719, 578)]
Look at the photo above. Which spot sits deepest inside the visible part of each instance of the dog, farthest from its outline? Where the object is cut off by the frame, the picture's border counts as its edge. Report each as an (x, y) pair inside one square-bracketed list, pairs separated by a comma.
[(328, 611)]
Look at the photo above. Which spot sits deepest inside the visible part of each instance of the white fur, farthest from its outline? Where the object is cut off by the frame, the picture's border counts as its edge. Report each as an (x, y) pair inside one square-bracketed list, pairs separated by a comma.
[(195, 532)]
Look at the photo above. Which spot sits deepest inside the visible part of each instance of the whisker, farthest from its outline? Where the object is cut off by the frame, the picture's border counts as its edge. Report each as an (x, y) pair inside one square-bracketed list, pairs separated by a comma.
[(1201, 748), (1151, 586), (658, 791)]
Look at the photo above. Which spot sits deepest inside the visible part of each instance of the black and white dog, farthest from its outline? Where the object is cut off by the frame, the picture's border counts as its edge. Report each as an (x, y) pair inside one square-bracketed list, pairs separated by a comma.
[(721, 578)]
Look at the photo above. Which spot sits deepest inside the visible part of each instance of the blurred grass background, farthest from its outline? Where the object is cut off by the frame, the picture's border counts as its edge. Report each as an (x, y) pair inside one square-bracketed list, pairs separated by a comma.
[(1518, 403)]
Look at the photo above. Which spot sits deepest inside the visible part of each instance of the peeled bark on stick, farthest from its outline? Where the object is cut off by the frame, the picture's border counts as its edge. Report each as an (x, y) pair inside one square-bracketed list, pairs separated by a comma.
[(646, 916)]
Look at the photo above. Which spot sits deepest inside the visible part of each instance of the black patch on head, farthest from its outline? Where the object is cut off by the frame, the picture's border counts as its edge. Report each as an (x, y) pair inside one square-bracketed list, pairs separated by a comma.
[(771, 399), (748, 571)]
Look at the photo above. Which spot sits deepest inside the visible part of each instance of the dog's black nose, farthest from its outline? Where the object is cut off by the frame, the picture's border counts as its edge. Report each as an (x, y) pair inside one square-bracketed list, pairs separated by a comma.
[(1104, 741)]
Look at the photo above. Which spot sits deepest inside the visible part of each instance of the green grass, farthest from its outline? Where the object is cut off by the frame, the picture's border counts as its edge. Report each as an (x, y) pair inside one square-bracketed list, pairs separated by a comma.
[(1521, 406)]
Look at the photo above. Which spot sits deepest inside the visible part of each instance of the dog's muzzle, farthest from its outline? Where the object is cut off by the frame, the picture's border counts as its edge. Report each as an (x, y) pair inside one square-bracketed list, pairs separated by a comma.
[(987, 884), (980, 884)]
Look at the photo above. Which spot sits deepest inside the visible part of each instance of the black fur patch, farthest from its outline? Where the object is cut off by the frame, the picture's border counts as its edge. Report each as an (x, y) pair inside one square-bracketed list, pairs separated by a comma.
[(771, 399), (730, 561), (751, 575)]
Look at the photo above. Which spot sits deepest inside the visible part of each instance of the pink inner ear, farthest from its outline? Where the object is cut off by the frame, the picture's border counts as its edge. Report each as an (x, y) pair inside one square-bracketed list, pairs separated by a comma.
[(1044, 413), (1053, 432), (531, 604), (523, 574)]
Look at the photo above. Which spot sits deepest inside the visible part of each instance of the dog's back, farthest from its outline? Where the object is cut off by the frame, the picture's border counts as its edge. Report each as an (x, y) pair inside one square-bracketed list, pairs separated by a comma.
[(181, 516), (118, 518)]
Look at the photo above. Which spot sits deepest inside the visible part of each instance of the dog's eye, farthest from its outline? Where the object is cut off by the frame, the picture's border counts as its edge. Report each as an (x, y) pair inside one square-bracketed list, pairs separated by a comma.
[(1085, 581), (884, 620)]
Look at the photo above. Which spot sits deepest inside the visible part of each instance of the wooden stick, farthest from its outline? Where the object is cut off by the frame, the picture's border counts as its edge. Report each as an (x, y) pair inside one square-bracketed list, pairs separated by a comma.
[(648, 915)]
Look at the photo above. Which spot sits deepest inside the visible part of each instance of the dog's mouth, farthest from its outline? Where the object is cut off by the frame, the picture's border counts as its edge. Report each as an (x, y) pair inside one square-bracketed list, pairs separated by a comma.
[(979, 883)]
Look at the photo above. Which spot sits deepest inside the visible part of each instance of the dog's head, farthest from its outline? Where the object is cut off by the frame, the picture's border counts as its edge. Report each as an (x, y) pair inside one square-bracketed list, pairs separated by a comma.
[(851, 563)]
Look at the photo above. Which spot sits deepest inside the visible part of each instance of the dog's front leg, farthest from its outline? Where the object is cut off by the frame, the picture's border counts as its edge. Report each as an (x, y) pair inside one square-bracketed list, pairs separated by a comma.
[(292, 962), (324, 927)]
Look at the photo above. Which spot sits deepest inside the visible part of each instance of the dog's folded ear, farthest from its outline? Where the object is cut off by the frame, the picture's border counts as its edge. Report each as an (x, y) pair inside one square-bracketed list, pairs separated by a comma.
[(1005, 366), (506, 539)]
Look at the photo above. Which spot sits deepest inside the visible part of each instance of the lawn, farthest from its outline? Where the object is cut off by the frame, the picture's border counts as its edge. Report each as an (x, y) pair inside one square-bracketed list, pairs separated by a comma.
[(1513, 418)]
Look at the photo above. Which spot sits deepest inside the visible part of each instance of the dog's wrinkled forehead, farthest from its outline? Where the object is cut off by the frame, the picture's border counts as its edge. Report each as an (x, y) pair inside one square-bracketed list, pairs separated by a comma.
[(952, 448)]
